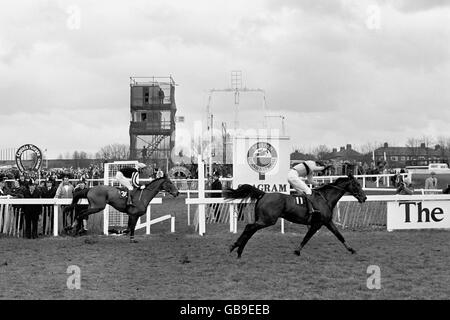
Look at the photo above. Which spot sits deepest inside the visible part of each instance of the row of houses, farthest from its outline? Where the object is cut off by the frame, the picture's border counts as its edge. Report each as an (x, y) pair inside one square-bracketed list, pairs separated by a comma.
[(395, 157)]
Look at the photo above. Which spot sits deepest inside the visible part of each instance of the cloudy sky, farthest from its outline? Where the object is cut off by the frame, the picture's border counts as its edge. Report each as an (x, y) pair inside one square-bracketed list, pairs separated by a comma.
[(338, 71)]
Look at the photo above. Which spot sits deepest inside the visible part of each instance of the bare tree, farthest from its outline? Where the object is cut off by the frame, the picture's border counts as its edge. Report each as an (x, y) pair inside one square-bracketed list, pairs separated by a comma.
[(79, 155), (444, 144), (114, 151), (413, 145), (321, 151), (369, 147), (427, 141), (298, 149), (83, 155)]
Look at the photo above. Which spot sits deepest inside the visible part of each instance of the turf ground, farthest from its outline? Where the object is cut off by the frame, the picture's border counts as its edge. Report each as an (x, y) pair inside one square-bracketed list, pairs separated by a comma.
[(183, 265)]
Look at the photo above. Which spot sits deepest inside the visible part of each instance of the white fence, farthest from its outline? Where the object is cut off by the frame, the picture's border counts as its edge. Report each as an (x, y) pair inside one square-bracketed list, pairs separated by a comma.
[(10, 221), (340, 218), (202, 201)]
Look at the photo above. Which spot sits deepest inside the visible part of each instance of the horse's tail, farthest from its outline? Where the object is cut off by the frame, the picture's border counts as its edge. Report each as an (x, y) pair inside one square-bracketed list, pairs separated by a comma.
[(243, 191), (81, 194)]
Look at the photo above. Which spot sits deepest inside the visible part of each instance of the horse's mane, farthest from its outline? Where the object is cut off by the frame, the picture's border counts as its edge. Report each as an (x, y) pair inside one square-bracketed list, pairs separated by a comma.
[(157, 179), (334, 183)]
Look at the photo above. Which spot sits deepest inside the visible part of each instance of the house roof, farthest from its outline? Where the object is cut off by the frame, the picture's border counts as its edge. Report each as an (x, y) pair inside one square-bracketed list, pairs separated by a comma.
[(299, 156), (345, 154), (408, 151)]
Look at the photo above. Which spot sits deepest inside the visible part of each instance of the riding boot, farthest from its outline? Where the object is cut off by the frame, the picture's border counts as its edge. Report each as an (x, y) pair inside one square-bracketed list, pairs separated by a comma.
[(311, 209)]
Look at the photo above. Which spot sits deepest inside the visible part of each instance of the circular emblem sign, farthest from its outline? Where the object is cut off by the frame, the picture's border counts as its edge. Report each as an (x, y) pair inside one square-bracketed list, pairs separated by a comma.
[(179, 171), (262, 157), (36, 159)]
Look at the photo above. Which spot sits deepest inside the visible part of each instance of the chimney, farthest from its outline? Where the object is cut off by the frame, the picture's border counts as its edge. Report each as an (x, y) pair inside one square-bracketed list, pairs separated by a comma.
[(342, 149), (334, 150), (422, 145), (437, 147), (349, 146), (386, 145)]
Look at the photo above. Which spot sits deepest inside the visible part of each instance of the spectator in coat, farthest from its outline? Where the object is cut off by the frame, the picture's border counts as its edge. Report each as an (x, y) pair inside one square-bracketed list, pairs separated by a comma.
[(22, 181), (79, 208), (4, 190), (49, 191), (161, 96), (405, 187), (17, 191), (65, 190), (431, 182), (31, 211), (216, 185)]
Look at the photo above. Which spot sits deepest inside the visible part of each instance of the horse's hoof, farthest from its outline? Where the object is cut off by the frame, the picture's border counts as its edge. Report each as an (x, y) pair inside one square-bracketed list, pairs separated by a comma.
[(352, 251), (297, 252), (232, 247), (133, 241)]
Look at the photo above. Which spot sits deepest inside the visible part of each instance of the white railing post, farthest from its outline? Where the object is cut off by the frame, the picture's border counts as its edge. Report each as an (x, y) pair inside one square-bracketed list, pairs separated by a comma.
[(148, 218), (189, 208), (233, 218), (106, 220), (172, 224), (235, 221), (201, 195), (55, 220), (106, 210), (282, 225)]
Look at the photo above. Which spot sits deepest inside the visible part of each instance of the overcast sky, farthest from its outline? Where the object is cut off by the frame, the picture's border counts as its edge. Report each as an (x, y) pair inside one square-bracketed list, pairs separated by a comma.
[(339, 71)]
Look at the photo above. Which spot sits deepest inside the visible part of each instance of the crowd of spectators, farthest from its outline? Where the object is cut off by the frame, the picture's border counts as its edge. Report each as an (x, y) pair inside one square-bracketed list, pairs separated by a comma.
[(53, 183), (94, 171)]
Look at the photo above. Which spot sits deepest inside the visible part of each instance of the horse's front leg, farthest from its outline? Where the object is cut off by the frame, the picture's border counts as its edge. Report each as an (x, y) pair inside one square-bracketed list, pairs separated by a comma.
[(332, 227), (132, 220), (311, 231)]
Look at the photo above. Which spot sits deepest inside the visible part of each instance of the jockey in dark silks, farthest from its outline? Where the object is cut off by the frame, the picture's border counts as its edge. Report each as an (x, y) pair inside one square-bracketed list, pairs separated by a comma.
[(129, 178)]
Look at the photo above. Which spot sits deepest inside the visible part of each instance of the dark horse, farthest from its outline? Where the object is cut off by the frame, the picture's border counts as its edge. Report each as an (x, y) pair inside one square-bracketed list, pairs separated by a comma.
[(271, 206), (99, 196)]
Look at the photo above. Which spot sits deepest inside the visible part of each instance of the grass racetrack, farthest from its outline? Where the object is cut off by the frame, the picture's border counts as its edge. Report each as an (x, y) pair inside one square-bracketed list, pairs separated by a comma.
[(183, 265)]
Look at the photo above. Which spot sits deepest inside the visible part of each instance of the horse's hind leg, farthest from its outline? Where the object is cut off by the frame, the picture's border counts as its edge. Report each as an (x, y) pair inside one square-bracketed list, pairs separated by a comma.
[(332, 227), (132, 220), (248, 232), (84, 214), (311, 231)]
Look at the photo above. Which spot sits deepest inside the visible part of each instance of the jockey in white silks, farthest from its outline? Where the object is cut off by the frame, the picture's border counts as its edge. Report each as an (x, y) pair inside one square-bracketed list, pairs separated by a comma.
[(129, 178), (305, 171)]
